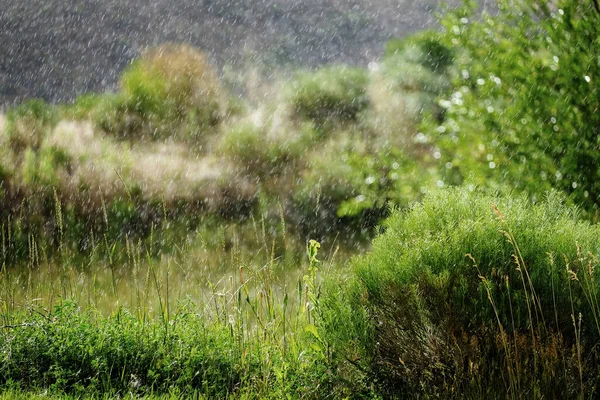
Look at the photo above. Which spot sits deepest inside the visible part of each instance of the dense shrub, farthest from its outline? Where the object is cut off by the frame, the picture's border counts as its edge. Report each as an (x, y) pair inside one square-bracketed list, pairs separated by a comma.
[(418, 68), (350, 192), (459, 297), (170, 91), (249, 145), (522, 111), (84, 107), (28, 124), (329, 94), (427, 48)]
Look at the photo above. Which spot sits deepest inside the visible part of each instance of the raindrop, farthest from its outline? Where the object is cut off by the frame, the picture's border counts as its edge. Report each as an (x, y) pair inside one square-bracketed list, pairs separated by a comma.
[(558, 175), (445, 104), (373, 66), (420, 138)]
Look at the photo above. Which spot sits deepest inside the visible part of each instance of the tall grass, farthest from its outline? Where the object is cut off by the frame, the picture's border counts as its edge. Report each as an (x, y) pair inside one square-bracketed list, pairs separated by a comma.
[(246, 334)]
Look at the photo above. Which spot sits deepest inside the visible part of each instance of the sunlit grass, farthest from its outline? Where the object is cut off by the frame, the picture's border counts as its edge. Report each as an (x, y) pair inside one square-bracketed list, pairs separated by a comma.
[(221, 315)]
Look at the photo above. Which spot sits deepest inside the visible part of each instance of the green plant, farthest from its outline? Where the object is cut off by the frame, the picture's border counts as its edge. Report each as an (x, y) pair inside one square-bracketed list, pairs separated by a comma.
[(241, 338), (248, 144), (329, 94), (464, 287), (522, 108), (84, 107), (170, 91), (28, 124), (352, 191), (425, 48)]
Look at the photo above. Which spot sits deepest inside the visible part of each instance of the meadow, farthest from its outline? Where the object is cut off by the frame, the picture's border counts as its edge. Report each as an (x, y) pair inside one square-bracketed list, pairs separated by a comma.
[(423, 228)]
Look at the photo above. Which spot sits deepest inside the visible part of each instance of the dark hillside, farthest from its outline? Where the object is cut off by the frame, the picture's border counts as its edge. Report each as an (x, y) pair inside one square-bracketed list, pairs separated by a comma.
[(56, 49)]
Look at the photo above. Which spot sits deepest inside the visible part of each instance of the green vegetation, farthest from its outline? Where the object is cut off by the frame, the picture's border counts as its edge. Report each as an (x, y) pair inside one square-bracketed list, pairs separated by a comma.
[(240, 342), (522, 109), (478, 295), (153, 239), (335, 94), (171, 91), (426, 48)]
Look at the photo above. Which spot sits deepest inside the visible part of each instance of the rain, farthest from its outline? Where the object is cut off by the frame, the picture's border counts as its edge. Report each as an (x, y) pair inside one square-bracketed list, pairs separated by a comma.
[(299, 199)]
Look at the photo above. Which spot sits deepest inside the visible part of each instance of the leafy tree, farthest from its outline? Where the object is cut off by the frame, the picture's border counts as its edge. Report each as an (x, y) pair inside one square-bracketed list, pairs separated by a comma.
[(523, 109)]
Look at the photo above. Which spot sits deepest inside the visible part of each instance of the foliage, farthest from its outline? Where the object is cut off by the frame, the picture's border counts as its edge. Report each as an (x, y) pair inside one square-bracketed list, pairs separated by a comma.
[(242, 344), (329, 94), (262, 153), (84, 107), (170, 90), (70, 350), (466, 285), (426, 48), (27, 124), (352, 191), (522, 110)]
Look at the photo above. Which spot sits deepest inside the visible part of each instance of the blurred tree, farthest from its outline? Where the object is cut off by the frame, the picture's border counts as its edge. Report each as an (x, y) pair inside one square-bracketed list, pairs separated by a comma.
[(523, 109)]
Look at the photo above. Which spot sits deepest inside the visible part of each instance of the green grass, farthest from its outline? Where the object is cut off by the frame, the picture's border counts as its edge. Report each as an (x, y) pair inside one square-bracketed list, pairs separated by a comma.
[(457, 289), (249, 334)]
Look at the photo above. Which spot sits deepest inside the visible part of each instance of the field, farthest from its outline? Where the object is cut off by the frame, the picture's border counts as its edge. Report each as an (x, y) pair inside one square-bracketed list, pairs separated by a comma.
[(423, 228)]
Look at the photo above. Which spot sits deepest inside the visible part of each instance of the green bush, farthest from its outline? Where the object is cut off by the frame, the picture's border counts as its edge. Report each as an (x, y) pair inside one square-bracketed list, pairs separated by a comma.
[(264, 154), (475, 295), (522, 111), (170, 91), (428, 50), (84, 107), (353, 191), (28, 124), (330, 94), (249, 145), (418, 68)]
